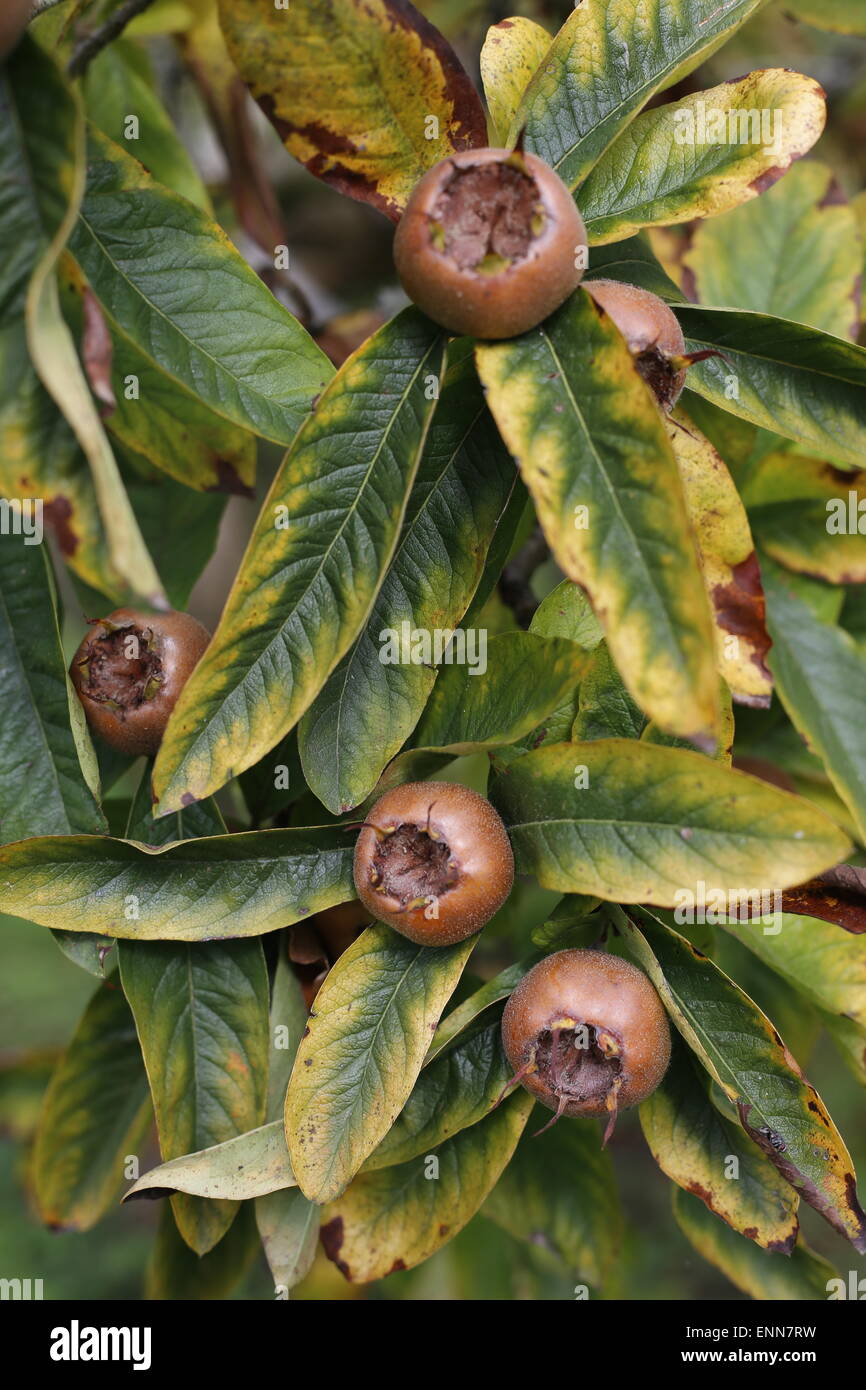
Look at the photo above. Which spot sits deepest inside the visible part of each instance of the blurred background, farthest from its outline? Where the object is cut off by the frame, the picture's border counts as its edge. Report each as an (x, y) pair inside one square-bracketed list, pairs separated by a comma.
[(342, 285)]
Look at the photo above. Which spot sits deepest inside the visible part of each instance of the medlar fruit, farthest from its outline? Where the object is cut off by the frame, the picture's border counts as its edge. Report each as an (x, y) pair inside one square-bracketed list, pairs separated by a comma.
[(489, 243), (586, 1034), (653, 334), (129, 672), (433, 860)]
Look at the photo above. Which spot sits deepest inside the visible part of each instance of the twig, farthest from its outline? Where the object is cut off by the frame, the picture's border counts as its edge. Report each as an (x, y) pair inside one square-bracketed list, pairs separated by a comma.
[(514, 586), (94, 43)]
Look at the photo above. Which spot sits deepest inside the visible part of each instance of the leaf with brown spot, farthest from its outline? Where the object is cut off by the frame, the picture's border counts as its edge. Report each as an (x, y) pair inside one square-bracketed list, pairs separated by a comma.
[(810, 516), (728, 562), (513, 51), (352, 88), (393, 1218), (744, 1054)]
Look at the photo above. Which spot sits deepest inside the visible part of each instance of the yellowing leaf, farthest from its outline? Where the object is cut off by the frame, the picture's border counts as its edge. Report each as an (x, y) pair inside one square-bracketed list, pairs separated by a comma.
[(728, 561), (702, 155), (368, 97), (513, 50)]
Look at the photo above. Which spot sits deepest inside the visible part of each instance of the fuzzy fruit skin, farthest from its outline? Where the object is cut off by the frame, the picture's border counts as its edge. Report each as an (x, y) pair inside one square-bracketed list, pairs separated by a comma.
[(601, 991), (644, 320), (14, 18), (511, 301), (180, 642), (477, 841)]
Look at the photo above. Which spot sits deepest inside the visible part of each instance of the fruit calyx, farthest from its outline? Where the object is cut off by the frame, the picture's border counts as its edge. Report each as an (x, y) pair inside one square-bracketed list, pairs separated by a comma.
[(487, 216), (412, 863), (122, 667)]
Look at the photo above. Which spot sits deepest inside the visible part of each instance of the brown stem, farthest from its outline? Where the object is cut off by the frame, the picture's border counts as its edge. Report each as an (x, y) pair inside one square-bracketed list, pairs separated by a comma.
[(514, 586), (113, 27)]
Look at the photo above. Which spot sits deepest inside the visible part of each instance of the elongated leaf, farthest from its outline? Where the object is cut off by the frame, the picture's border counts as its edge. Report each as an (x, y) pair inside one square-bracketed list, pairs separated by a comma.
[(823, 963), (201, 890), (707, 1154), (94, 1116), (567, 612), (250, 1165), (44, 789), (202, 1018), (397, 1217), (513, 51), (187, 299), (784, 377), (527, 677), (369, 1030), (807, 515), (816, 252), (841, 16), (593, 452), (605, 708), (325, 537), (368, 708), (484, 998), (125, 107), (703, 154), (742, 1051), (454, 1091), (176, 1274), (48, 178), (368, 96), (559, 1193), (803, 1277), (828, 713), (728, 561), (634, 822), (288, 1224), (607, 60)]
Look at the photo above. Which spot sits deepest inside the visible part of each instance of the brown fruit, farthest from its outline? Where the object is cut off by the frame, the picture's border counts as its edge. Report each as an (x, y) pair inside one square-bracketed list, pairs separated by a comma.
[(489, 243), (129, 672), (433, 860), (652, 332), (586, 1034), (14, 18), (339, 926)]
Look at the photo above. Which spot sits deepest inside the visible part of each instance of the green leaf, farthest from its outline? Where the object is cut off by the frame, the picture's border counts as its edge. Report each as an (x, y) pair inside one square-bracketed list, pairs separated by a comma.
[(703, 154), (202, 1018), (176, 1274), (559, 1193), (324, 540), (44, 789), (706, 1153), (807, 516), (456, 1090), (201, 890), (593, 451), (181, 527), (188, 300), (289, 1228), (785, 377), (840, 16), (95, 1114), (605, 63), (397, 1217), (728, 563), (824, 964), (484, 998), (827, 713), (634, 262), (250, 1165), (803, 1277), (742, 1051), (809, 233), (368, 708), (368, 1033), (513, 51), (114, 91), (605, 708), (634, 822), (526, 678), (567, 612), (325, 72)]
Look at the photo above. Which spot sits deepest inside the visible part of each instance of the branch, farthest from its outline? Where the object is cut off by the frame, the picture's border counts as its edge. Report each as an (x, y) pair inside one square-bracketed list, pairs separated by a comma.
[(94, 43), (514, 586)]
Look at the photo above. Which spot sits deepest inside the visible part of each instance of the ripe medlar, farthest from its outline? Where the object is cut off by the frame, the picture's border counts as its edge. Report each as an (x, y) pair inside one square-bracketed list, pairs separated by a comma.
[(586, 1034), (129, 672), (652, 331), (433, 860), (489, 243)]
